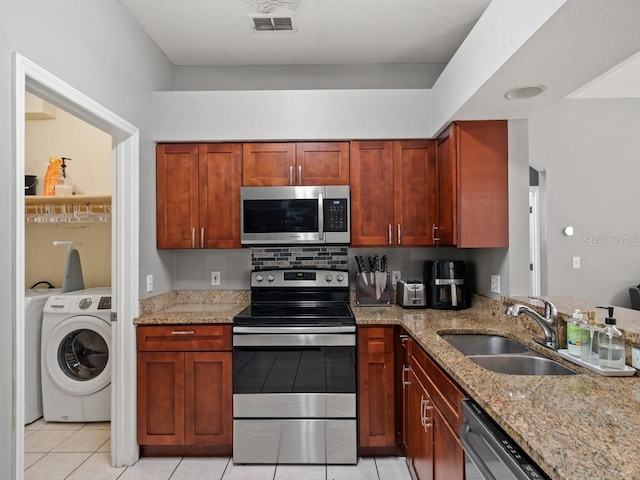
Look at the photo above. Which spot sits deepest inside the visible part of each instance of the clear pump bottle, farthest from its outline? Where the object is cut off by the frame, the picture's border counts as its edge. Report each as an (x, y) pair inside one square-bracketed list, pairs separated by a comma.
[(589, 339), (611, 351)]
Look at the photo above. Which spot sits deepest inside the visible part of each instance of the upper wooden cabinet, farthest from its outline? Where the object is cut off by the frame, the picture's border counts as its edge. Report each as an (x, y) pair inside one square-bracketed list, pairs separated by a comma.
[(198, 195), (392, 192), (472, 169), (307, 163)]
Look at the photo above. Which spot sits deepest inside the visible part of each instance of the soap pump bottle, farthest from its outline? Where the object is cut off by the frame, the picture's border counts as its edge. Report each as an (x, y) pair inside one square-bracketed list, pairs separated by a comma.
[(611, 352), (589, 339), (574, 334)]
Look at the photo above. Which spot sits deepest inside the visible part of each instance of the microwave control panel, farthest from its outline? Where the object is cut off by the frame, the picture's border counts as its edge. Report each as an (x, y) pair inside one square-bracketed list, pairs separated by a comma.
[(335, 215)]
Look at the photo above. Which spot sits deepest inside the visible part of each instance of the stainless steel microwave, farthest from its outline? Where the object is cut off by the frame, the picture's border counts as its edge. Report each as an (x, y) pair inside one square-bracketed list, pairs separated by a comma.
[(295, 215)]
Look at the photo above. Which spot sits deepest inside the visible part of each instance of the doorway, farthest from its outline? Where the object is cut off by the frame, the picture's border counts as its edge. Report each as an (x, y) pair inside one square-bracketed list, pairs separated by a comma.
[(537, 232), (124, 251)]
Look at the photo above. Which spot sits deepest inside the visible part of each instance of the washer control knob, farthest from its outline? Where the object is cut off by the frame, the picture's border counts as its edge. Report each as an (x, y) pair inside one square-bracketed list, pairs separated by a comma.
[(328, 278), (270, 278), (259, 278), (340, 277), (84, 303)]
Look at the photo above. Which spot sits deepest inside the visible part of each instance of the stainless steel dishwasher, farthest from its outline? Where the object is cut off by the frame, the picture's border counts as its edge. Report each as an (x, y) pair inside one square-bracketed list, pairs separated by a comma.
[(489, 453)]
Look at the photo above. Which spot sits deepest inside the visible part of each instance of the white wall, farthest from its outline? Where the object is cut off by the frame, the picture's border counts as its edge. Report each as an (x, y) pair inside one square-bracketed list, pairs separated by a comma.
[(99, 49), (591, 152)]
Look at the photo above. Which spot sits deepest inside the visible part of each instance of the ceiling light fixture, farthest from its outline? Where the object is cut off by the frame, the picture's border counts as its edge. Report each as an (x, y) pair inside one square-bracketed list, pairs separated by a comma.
[(521, 93), (268, 6)]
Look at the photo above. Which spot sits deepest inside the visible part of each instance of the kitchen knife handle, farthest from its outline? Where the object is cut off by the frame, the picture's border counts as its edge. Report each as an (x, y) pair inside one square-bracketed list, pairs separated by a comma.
[(399, 235), (433, 233), (202, 237), (389, 234), (299, 174), (290, 174), (193, 237)]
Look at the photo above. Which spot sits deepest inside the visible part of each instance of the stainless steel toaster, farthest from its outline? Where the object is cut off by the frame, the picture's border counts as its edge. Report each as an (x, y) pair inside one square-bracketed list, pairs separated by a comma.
[(411, 294)]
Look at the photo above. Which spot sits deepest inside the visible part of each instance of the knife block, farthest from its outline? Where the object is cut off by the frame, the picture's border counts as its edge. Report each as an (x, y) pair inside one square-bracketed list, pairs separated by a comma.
[(366, 292)]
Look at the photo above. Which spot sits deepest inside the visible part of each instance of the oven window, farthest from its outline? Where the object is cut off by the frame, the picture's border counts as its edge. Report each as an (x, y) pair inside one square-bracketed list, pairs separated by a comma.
[(294, 370), (280, 216)]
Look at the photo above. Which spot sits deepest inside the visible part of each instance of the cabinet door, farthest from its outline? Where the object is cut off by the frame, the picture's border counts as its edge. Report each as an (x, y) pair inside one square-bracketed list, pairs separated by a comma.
[(448, 453), (371, 193), (208, 398), (483, 216), (160, 398), (268, 164), (176, 195), (421, 417), (376, 387), (414, 192), (220, 174), (402, 389), (446, 225), (322, 163)]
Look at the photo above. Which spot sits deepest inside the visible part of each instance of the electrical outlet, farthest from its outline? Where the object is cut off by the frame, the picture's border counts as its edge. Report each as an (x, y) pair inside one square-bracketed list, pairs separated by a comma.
[(395, 276), (149, 283), (495, 283), (635, 358), (576, 263), (215, 278)]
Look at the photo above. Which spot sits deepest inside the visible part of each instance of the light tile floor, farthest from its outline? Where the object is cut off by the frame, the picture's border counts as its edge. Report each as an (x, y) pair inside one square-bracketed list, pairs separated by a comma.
[(81, 451)]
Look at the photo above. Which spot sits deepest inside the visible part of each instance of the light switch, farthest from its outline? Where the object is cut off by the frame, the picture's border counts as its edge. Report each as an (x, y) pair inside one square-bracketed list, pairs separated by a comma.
[(576, 263)]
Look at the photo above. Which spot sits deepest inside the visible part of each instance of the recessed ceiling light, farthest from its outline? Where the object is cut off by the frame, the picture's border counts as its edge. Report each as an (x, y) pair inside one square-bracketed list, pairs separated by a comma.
[(521, 93)]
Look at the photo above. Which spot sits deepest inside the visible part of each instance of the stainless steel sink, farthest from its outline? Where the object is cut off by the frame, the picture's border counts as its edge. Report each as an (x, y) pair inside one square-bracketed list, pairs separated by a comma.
[(472, 344), (503, 355), (521, 365)]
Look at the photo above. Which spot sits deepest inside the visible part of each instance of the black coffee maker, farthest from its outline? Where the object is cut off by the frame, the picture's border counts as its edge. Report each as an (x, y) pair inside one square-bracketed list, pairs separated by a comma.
[(444, 281)]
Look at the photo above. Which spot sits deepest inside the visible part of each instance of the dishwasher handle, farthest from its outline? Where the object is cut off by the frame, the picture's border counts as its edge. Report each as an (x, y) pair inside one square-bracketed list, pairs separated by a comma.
[(473, 455)]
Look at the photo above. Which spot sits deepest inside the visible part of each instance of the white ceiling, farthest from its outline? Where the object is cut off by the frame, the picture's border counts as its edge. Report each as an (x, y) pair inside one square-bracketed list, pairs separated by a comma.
[(327, 32)]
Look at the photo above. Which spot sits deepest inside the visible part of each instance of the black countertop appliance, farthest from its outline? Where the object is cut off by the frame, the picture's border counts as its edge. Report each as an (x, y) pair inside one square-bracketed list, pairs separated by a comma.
[(445, 284)]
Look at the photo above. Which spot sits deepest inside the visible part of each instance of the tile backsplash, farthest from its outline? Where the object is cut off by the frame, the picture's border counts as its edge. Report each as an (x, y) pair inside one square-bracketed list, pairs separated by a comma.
[(335, 258)]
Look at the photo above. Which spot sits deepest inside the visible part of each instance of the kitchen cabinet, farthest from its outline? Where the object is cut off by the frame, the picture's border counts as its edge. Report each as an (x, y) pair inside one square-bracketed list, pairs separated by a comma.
[(376, 383), (302, 163), (184, 389), (393, 193), (433, 416), (472, 184), (198, 195)]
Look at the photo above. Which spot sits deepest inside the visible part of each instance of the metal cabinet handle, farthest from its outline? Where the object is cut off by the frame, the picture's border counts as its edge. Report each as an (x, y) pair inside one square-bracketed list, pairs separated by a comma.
[(405, 369), (183, 332), (425, 420), (433, 233), (290, 174), (390, 234), (202, 237), (404, 339), (193, 237), (399, 235), (299, 174)]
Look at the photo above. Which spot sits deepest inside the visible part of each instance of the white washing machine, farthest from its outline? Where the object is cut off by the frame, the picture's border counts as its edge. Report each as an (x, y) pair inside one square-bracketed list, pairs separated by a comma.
[(76, 356), (34, 301)]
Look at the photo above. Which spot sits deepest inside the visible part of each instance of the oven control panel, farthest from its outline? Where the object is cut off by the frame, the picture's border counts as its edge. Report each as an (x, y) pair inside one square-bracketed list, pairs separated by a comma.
[(302, 278)]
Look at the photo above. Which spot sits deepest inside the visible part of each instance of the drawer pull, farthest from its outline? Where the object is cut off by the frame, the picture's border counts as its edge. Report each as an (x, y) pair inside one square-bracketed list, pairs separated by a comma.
[(183, 332)]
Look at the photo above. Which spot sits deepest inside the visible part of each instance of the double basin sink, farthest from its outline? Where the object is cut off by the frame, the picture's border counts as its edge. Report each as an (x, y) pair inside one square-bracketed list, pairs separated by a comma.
[(503, 355)]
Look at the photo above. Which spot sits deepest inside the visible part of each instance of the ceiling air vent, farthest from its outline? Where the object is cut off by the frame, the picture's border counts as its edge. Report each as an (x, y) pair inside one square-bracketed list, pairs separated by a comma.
[(270, 24)]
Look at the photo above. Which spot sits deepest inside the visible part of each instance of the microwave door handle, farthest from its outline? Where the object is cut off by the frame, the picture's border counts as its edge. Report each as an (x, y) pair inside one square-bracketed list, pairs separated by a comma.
[(290, 174), (320, 217)]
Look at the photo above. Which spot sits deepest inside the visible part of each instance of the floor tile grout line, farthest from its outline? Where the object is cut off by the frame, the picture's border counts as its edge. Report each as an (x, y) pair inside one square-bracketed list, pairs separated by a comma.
[(176, 467)]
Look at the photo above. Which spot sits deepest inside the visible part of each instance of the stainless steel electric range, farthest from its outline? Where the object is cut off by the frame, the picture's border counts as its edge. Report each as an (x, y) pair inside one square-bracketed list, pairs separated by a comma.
[(294, 370)]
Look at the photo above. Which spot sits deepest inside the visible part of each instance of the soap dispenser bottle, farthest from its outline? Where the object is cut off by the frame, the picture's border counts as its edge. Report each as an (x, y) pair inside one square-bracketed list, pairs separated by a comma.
[(611, 352), (574, 334)]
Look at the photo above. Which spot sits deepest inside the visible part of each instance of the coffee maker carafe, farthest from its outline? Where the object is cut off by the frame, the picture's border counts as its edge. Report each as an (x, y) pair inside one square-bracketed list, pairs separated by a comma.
[(445, 284)]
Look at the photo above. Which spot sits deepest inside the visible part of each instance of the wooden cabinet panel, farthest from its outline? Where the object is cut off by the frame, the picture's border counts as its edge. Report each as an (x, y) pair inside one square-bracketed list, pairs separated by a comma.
[(208, 398), (322, 163), (160, 398), (220, 173), (198, 195), (268, 164), (176, 194), (179, 338), (392, 192), (376, 382), (421, 457), (371, 193), (448, 454), (473, 199)]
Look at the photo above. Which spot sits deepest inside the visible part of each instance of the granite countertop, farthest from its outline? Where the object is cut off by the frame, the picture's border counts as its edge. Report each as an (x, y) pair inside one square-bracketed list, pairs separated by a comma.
[(574, 427)]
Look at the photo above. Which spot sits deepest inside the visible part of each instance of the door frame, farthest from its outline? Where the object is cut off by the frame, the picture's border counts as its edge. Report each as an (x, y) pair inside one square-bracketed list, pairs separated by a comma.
[(534, 241), (124, 255)]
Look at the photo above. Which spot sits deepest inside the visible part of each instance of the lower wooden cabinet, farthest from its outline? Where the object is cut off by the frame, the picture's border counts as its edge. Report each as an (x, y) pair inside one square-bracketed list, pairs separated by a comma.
[(184, 388)]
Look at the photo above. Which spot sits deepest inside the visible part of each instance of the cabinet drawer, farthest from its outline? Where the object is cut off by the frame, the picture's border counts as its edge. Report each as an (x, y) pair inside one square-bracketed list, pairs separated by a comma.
[(375, 339), (445, 394), (183, 338)]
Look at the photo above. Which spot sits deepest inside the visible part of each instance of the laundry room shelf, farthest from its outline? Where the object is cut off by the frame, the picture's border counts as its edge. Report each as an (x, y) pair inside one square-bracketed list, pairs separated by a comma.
[(73, 199), (71, 209)]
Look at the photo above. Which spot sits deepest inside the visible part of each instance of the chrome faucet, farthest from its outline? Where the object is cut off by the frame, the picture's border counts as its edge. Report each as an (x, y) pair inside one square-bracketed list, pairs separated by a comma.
[(548, 323)]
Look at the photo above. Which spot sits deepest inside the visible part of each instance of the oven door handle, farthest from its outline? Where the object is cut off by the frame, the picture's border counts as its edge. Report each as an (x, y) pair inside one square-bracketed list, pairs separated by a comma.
[(294, 330), (295, 340), (473, 455)]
